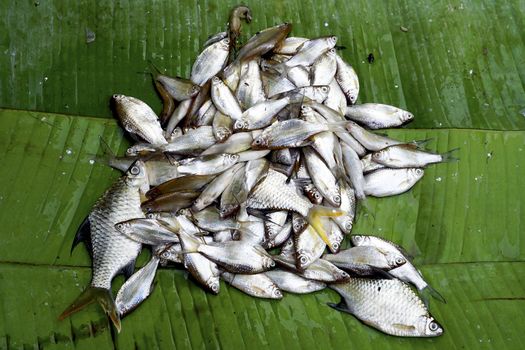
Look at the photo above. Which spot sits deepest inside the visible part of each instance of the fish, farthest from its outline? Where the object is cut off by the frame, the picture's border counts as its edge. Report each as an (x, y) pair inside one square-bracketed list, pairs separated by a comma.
[(274, 193), (112, 252), (388, 305), (308, 247), (192, 142), (137, 288), (406, 272), (138, 119), (207, 165), (263, 41), (320, 270), (260, 115), (176, 117), (180, 89), (366, 260), (210, 62), (147, 231), (250, 90), (215, 188), (347, 79), (291, 283), (237, 15), (324, 68), (390, 182), (222, 126), (410, 156), (180, 184), (310, 50), (354, 170), (322, 177), (233, 256), (224, 99), (170, 202), (290, 45), (378, 116), (256, 285)]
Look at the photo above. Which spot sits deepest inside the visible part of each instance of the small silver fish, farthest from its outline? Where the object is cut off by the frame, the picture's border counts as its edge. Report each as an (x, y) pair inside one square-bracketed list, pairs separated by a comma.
[(210, 62), (409, 156), (257, 285), (290, 282), (390, 182), (138, 118), (378, 116), (137, 288), (365, 260)]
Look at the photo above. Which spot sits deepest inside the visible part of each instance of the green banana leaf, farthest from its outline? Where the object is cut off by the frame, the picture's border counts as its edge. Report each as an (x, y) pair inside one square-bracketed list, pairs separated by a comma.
[(458, 65)]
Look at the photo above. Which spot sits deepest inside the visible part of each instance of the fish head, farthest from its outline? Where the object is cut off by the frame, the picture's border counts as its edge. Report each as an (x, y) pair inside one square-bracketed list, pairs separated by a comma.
[(428, 327), (213, 284), (268, 263), (381, 155), (303, 259), (299, 223), (123, 227), (332, 40), (276, 292), (348, 224), (405, 116), (222, 133), (416, 173), (360, 240), (230, 159), (240, 125), (395, 260), (193, 90), (331, 52), (353, 93), (260, 142), (306, 110), (215, 81), (335, 198), (313, 195), (137, 176), (224, 44)]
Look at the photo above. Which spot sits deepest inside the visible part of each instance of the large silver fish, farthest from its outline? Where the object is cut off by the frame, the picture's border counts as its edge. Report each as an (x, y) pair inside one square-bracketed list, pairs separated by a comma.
[(112, 252), (387, 305)]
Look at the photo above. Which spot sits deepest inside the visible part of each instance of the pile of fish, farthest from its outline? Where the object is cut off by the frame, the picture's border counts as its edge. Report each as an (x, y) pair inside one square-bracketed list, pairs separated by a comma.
[(252, 174)]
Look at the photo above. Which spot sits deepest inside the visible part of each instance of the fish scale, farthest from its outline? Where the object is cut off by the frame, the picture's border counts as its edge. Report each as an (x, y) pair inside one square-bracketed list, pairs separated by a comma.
[(112, 251), (389, 305)]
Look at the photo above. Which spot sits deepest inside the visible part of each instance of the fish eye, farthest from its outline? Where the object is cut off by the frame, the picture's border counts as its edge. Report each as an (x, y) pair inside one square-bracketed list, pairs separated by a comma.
[(335, 245), (257, 141), (357, 238), (400, 260), (433, 326), (119, 226), (337, 198), (150, 216), (348, 226), (419, 171), (334, 38), (227, 41), (303, 259), (277, 293), (135, 170), (215, 80), (324, 89)]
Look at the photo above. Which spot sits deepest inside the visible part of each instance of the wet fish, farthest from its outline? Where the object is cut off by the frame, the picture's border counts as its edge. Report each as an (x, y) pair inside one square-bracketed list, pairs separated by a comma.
[(257, 285), (139, 119), (290, 282), (365, 260), (378, 116), (147, 231), (390, 182), (111, 251), (347, 79), (137, 288), (387, 305), (409, 156), (210, 62)]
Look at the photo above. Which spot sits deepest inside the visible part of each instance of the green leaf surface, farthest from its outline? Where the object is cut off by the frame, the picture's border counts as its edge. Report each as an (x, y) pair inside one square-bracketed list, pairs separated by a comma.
[(460, 64), (461, 222), (460, 68)]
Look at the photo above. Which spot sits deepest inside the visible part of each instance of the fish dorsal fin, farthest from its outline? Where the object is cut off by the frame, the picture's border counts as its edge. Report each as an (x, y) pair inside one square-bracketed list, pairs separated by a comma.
[(83, 235)]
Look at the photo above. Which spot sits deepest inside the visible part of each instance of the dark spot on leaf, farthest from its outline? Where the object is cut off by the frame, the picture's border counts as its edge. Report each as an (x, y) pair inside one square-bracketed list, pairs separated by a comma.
[(370, 58)]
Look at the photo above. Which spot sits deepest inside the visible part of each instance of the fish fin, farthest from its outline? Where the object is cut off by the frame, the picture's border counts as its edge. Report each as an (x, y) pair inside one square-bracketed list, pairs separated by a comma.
[(449, 156), (421, 143), (380, 273), (301, 182), (342, 306), (316, 213), (83, 235), (428, 290), (89, 296), (128, 270)]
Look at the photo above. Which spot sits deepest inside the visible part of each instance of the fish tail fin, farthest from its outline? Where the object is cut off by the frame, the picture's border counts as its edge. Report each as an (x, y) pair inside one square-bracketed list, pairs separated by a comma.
[(449, 156), (89, 296), (422, 143), (429, 291), (314, 218)]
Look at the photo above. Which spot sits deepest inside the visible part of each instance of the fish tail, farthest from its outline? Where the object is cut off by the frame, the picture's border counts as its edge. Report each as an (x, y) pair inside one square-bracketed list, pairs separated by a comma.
[(421, 143), (449, 156), (429, 291), (89, 296), (314, 218)]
